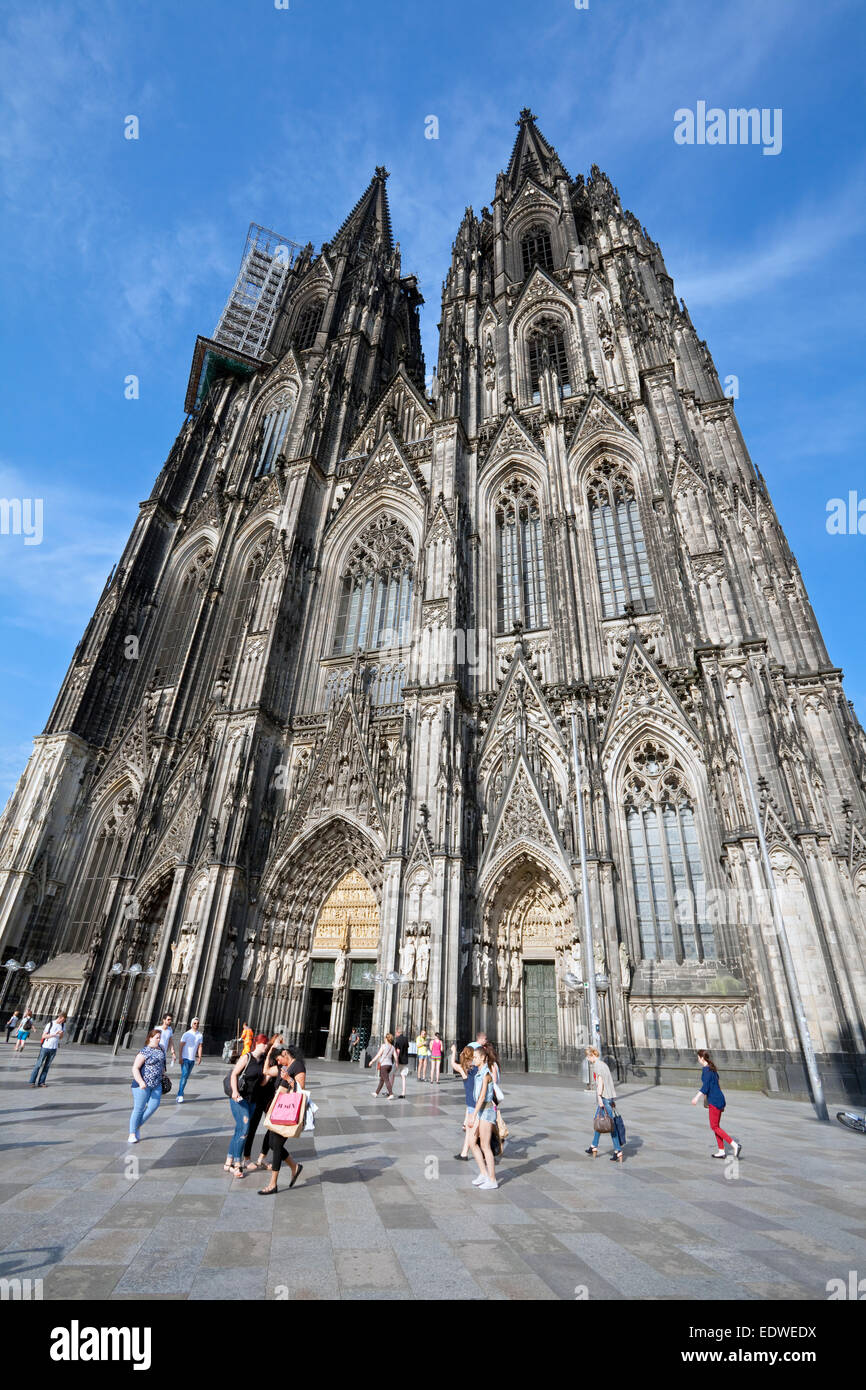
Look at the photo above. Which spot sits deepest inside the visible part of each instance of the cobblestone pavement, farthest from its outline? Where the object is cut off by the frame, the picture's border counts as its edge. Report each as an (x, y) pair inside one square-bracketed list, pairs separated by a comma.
[(383, 1206)]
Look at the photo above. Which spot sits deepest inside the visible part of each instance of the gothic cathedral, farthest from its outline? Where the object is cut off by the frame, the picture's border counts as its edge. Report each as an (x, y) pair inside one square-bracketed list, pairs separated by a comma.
[(317, 759)]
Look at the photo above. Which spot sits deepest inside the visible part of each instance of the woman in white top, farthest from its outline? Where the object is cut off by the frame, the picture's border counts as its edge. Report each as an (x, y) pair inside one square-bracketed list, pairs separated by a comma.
[(386, 1058), (605, 1096)]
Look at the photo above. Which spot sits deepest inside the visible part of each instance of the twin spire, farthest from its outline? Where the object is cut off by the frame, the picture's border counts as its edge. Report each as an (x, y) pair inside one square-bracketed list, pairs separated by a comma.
[(532, 156)]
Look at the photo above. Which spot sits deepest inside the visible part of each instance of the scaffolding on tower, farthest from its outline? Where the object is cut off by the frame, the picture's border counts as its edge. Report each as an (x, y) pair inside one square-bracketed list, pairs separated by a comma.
[(245, 325)]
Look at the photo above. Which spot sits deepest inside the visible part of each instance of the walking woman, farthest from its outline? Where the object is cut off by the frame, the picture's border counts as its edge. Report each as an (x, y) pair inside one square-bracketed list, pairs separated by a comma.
[(240, 1086), (714, 1100), (466, 1070), (423, 1051), (386, 1058), (260, 1092), (605, 1096), (482, 1118), (289, 1073), (147, 1073), (435, 1059), (24, 1032)]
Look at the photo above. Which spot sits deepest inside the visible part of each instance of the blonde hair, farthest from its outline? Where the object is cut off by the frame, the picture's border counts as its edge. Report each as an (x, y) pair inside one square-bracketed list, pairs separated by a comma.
[(592, 1052), (466, 1058), (389, 1037)]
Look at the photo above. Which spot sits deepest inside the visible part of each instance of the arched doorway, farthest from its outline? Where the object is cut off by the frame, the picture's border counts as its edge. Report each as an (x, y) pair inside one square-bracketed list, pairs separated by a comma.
[(528, 926), (342, 968)]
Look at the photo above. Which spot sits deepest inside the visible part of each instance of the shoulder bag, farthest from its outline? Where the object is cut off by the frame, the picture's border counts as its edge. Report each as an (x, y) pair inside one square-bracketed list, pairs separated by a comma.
[(603, 1121)]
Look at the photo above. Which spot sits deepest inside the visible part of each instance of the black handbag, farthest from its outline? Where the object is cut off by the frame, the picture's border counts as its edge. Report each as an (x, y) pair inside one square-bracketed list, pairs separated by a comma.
[(165, 1083)]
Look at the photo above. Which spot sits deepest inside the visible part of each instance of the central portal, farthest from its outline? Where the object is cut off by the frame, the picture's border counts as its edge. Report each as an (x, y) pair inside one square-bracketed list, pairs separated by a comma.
[(343, 967)]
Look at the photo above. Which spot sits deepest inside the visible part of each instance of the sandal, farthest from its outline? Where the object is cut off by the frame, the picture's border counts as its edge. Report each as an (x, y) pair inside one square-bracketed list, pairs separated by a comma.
[(238, 1172), (227, 1166), (268, 1191), (297, 1173)]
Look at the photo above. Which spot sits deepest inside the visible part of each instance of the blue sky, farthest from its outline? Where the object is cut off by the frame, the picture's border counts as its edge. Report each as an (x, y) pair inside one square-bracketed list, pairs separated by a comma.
[(116, 252)]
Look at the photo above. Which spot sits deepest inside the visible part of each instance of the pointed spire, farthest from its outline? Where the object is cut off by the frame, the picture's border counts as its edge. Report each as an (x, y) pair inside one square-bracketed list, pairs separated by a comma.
[(370, 211), (532, 156)]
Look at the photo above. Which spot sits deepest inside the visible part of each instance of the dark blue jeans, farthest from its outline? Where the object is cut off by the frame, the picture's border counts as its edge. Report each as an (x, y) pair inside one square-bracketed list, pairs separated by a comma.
[(613, 1134), (44, 1060), (186, 1067)]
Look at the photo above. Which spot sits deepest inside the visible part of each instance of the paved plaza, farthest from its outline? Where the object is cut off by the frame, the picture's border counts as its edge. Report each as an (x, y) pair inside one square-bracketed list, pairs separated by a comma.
[(383, 1207)]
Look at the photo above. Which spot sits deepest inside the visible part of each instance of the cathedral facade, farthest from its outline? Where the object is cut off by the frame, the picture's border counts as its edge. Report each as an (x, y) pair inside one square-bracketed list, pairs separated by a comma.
[(317, 759)]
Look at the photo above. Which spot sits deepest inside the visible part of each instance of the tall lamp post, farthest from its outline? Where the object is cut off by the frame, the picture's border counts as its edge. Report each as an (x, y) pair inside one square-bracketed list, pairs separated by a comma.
[(592, 996), (132, 973), (799, 1012), (12, 967)]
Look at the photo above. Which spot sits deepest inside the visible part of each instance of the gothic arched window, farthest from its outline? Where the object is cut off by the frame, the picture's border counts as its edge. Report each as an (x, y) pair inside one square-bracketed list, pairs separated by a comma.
[(546, 344), (535, 248), (242, 609), (274, 428), (179, 624), (307, 324), (521, 586), (617, 536), (666, 865), (376, 590)]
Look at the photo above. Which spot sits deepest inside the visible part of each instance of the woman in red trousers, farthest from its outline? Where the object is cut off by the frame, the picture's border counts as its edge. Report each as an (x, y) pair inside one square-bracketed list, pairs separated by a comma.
[(711, 1091)]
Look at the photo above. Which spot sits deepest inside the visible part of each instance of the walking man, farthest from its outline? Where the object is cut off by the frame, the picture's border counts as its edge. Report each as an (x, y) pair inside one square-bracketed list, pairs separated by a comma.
[(190, 1053), (166, 1033), (12, 1024), (354, 1044), (48, 1050), (401, 1047)]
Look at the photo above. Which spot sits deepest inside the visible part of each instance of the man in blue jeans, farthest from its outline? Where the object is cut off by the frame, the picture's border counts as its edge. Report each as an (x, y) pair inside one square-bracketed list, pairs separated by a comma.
[(190, 1053), (48, 1050)]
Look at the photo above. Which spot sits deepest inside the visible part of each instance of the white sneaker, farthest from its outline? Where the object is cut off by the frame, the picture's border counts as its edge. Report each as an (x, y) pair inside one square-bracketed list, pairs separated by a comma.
[(133, 1139), (720, 1153), (180, 1100), (737, 1148), (389, 1097), (374, 1094), (487, 1185), (476, 1182)]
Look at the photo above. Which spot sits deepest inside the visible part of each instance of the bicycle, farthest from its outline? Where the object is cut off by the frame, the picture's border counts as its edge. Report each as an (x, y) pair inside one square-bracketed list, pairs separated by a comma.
[(852, 1121)]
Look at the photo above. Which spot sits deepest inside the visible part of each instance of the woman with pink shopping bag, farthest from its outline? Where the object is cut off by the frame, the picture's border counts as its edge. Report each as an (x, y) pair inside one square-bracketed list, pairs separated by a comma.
[(286, 1115)]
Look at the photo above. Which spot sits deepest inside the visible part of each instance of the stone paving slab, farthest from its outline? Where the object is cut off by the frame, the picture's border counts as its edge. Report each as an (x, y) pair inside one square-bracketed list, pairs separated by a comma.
[(384, 1207)]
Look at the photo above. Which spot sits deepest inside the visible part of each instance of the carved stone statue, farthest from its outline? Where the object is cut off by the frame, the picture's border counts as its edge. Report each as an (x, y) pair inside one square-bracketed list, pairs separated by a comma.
[(598, 957), (301, 964), (274, 965), (260, 967), (486, 963), (502, 966), (624, 965), (516, 970), (576, 965), (249, 952), (229, 957), (423, 959), (339, 970), (476, 964), (183, 960), (407, 956)]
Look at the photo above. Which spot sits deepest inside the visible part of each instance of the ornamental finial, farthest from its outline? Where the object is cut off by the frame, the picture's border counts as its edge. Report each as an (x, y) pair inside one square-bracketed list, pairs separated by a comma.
[(525, 116)]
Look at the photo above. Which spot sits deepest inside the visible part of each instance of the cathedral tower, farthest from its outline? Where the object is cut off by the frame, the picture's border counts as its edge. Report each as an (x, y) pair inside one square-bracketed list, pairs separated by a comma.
[(316, 758)]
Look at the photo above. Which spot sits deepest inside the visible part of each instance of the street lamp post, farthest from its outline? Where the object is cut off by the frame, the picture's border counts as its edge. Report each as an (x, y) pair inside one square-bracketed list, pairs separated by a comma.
[(815, 1082), (133, 973), (592, 995), (12, 967)]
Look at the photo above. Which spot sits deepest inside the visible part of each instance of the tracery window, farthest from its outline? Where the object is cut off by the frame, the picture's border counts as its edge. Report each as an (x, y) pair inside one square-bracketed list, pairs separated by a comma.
[(376, 590), (521, 585), (666, 864), (275, 427), (181, 619), (617, 536), (536, 249), (307, 324), (546, 346), (242, 610)]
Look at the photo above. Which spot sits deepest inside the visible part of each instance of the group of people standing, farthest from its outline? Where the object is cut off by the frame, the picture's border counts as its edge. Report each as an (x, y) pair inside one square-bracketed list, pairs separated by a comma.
[(269, 1066)]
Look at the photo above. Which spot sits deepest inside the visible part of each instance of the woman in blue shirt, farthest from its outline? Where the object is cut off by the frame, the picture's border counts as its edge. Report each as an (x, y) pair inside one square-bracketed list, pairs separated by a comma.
[(483, 1117), (715, 1102), (466, 1069)]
